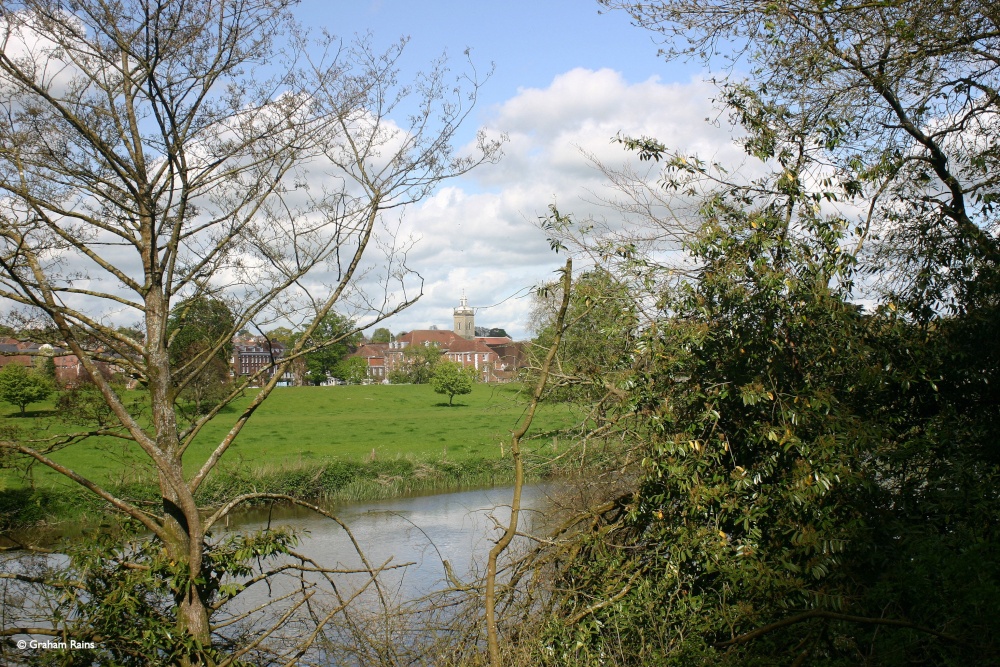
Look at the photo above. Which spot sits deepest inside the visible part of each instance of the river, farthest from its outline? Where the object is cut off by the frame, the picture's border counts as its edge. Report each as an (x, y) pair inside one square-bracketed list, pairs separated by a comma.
[(420, 532), (424, 530)]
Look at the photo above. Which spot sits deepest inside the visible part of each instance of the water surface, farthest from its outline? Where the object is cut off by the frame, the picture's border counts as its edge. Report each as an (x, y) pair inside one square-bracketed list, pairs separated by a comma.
[(459, 527)]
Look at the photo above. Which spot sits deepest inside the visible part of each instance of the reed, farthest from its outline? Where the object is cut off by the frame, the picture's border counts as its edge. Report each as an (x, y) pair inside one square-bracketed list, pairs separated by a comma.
[(330, 480)]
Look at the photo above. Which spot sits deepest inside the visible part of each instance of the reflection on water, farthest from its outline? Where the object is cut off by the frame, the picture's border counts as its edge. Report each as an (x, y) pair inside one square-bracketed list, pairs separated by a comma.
[(297, 609), (426, 530)]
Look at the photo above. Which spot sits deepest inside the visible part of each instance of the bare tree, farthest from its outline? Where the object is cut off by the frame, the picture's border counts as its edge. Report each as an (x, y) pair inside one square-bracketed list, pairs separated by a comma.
[(155, 151), (489, 600)]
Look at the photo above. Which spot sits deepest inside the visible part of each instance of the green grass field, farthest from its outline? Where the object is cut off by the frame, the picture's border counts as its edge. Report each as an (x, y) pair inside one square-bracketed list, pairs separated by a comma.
[(307, 426)]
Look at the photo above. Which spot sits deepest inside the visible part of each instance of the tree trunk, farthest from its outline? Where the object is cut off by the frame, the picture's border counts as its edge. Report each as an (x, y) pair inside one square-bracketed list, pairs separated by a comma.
[(181, 518)]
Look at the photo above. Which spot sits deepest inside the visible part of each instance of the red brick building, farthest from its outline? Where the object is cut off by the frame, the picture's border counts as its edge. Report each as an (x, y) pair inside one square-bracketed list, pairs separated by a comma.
[(251, 357), (495, 359), (69, 370)]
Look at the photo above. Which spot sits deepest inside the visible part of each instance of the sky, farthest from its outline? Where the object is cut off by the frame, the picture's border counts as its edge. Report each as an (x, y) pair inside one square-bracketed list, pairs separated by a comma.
[(566, 79), (559, 80)]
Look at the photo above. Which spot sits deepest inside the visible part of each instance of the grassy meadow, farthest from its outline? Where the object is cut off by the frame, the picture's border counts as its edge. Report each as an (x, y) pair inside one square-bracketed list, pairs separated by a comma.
[(356, 422), (357, 442)]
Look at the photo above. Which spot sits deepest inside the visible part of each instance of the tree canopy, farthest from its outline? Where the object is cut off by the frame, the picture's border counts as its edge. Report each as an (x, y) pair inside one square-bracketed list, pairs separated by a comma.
[(381, 335), (335, 336), (21, 386), (200, 332), (593, 353), (815, 479), (352, 370), (896, 104), (452, 379), (417, 364)]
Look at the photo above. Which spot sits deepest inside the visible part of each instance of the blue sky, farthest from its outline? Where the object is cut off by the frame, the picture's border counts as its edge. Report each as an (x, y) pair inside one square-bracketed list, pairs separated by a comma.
[(529, 42), (567, 78)]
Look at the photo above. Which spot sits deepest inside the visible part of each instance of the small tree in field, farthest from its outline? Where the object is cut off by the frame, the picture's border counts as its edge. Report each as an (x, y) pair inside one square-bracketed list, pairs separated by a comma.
[(452, 379), (21, 387)]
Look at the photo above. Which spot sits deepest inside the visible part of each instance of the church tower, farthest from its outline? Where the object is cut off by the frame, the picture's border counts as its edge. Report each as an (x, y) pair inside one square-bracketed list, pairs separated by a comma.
[(465, 320)]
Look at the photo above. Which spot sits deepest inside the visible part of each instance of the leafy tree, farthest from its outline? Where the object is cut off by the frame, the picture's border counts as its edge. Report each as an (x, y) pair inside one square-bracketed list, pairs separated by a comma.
[(352, 370), (594, 351), (381, 335), (333, 339), (46, 367), (200, 332), (209, 387), (200, 327), (21, 387), (804, 494), (142, 146), (283, 335), (417, 364), (794, 463), (452, 379)]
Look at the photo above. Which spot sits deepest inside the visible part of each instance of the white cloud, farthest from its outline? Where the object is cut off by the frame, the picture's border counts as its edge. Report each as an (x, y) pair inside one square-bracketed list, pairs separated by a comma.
[(478, 234)]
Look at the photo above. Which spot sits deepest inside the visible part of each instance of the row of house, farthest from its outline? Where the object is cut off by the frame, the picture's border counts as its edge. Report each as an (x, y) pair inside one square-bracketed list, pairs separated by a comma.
[(252, 356), (494, 358), (248, 359), (69, 370)]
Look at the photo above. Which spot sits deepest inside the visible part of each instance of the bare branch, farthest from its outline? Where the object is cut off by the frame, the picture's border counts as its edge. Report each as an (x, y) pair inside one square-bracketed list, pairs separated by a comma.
[(515, 505)]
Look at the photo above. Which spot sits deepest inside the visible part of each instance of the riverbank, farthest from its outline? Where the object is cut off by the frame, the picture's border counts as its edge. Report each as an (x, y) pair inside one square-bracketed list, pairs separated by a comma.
[(53, 509), (321, 443)]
